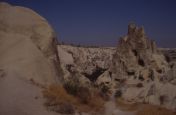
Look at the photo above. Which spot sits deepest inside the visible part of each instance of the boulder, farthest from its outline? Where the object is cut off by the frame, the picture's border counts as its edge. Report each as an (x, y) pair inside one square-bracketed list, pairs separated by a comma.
[(28, 61), (28, 45)]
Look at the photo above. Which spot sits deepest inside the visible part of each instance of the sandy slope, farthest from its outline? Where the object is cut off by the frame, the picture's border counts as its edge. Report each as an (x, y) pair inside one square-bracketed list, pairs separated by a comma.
[(19, 97), (111, 109)]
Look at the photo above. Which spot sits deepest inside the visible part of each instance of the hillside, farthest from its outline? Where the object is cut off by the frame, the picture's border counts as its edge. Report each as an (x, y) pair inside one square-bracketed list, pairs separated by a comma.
[(39, 77), (135, 68)]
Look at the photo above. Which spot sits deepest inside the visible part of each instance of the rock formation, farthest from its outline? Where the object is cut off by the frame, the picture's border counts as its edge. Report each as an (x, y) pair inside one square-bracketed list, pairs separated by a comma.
[(27, 45), (135, 52), (28, 59), (86, 64), (140, 71), (136, 68)]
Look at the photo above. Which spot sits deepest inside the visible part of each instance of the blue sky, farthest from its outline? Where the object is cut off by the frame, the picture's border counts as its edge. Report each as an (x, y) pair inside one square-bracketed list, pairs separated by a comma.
[(102, 22)]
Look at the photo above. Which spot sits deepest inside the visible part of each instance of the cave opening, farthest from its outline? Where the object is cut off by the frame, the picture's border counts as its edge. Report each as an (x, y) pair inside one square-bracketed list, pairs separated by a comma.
[(94, 76), (141, 62), (134, 52)]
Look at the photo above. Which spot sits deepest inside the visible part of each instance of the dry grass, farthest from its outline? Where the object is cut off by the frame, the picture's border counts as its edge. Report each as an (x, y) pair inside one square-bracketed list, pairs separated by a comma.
[(121, 104), (153, 110), (57, 95), (143, 109), (96, 101)]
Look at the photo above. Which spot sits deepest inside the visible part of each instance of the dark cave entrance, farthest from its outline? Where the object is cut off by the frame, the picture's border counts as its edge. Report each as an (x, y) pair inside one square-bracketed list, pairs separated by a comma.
[(93, 77), (141, 62)]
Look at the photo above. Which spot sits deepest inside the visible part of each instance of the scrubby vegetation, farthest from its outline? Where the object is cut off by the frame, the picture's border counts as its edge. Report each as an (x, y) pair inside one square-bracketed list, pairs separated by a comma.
[(57, 97), (72, 97), (142, 109), (154, 110)]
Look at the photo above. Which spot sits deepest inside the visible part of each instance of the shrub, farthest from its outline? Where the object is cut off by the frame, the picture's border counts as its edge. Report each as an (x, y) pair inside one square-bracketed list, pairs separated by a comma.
[(81, 98), (74, 88), (84, 95), (58, 98), (118, 94), (71, 87), (66, 108), (105, 89), (96, 103), (104, 92)]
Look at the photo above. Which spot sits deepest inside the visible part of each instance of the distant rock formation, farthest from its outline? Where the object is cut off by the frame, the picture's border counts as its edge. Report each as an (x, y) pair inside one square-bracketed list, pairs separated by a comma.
[(136, 68), (140, 71), (135, 53), (85, 64), (27, 45), (170, 54)]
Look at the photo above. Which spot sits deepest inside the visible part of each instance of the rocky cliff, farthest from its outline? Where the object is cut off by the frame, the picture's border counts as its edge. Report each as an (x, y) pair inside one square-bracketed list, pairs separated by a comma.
[(141, 71), (28, 59)]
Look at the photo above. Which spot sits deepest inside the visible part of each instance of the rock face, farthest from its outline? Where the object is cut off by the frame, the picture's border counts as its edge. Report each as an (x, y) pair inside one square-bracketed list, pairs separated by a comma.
[(135, 52), (140, 71), (28, 59), (87, 64), (27, 45), (169, 53)]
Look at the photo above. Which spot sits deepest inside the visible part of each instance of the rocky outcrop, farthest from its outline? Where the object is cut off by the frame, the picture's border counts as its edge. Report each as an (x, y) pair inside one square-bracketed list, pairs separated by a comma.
[(87, 64), (135, 52), (27, 45), (28, 61), (170, 54), (140, 71)]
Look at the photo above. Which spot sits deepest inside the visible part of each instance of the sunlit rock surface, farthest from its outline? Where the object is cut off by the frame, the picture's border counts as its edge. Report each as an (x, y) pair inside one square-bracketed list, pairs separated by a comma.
[(28, 59), (27, 44)]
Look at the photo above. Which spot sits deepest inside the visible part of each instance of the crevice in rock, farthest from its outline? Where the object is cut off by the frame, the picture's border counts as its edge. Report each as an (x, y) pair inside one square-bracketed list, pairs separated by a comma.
[(151, 75), (130, 73), (93, 77), (141, 78), (134, 52), (2, 73), (117, 79), (159, 71), (141, 62), (167, 58), (69, 68)]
